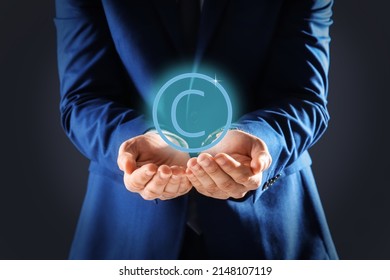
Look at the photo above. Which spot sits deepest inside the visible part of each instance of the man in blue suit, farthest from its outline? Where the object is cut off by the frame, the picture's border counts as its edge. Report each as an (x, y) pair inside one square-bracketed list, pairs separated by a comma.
[(253, 193)]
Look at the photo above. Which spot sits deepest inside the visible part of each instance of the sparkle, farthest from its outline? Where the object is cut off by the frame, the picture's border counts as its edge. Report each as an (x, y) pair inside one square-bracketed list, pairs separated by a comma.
[(216, 81)]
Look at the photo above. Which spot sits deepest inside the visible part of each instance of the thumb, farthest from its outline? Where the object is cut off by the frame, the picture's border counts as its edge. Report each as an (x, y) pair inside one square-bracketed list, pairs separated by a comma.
[(261, 159), (127, 160)]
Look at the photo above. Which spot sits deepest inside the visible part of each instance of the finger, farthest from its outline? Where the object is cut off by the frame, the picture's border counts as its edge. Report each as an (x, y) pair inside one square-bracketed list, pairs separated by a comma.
[(185, 184), (192, 178), (173, 185), (239, 172), (203, 179), (155, 187), (136, 181), (222, 180), (195, 182), (177, 185), (261, 159), (214, 193)]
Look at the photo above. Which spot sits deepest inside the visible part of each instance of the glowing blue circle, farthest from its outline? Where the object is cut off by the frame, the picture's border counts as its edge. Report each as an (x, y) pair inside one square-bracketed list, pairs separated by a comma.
[(186, 76)]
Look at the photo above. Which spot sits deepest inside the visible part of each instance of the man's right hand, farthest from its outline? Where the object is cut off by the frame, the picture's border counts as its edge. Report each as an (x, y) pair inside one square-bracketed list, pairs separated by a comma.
[(152, 168)]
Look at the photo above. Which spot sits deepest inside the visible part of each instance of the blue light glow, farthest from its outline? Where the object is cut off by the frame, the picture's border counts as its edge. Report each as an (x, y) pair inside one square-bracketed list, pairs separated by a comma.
[(209, 109)]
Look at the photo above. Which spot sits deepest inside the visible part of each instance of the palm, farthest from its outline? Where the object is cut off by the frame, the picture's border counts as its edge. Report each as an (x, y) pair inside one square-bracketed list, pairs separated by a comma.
[(237, 145), (152, 149)]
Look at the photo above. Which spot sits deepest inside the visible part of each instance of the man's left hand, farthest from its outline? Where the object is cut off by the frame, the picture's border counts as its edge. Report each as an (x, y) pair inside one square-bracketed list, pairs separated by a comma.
[(231, 168)]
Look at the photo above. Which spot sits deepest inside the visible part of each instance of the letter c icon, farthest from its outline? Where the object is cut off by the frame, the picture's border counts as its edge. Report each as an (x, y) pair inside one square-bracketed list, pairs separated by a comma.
[(174, 110)]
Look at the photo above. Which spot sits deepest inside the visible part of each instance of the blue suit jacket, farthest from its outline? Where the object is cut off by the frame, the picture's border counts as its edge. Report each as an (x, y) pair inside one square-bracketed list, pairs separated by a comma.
[(111, 56)]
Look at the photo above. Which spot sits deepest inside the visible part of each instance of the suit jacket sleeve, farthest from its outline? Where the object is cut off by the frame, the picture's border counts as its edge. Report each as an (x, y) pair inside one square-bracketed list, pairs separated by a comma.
[(96, 96), (295, 85)]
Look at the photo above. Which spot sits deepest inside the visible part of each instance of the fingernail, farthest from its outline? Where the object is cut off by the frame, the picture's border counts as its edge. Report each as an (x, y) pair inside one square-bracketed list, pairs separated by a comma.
[(175, 178), (149, 173), (163, 175), (192, 163), (205, 162), (220, 161), (195, 167)]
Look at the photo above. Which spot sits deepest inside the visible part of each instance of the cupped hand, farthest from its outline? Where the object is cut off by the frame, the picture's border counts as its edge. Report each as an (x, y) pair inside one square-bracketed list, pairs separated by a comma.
[(231, 168), (152, 168)]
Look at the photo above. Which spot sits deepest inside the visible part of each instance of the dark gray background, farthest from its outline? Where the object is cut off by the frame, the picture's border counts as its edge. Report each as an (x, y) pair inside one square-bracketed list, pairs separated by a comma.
[(43, 177)]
